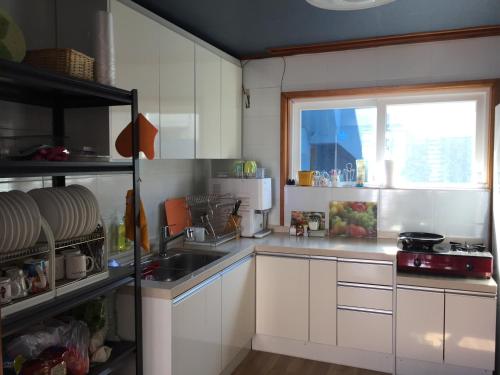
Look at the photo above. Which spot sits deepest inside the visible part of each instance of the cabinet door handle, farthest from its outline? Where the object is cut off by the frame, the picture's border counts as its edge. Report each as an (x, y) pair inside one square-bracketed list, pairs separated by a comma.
[(195, 289), (364, 309), (320, 257), (365, 261), (237, 264), (468, 293), (420, 288), (283, 255)]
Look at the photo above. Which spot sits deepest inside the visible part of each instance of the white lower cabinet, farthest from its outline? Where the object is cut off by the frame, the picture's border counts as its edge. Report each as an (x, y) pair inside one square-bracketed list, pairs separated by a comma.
[(447, 327), (196, 330), (323, 302), (470, 327), (420, 322), (283, 296), (365, 330), (238, 310)]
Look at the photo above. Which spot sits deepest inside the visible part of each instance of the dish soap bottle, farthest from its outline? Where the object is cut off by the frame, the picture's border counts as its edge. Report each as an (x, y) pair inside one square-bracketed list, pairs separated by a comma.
[(121, 239)]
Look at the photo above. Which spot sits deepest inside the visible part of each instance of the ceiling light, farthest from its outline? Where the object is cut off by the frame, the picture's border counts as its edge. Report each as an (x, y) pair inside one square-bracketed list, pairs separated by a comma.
[(347, 4)]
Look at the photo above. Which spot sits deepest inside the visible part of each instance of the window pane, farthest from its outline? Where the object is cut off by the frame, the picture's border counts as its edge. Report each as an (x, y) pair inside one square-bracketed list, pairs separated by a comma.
[(332, 138), (432, 143)]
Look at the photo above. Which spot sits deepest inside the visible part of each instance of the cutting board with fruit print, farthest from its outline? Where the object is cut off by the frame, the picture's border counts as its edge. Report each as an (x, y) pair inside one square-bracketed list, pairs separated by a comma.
[(353, 219)]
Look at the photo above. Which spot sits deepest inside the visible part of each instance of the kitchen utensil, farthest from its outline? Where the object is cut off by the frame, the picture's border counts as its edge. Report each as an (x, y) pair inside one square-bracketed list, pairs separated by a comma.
[(419, 240), (177, 216), (317, 178), (360, 173), (199, 234), (189, 234), (147, 134), (306, 178), (78, 265)]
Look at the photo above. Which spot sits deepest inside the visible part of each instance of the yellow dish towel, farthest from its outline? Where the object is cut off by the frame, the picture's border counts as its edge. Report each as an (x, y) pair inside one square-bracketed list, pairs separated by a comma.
[(129, 222)]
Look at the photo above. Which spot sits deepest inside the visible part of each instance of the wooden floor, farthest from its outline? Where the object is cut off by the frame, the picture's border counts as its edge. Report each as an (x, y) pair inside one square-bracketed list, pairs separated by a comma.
[(261, 363)]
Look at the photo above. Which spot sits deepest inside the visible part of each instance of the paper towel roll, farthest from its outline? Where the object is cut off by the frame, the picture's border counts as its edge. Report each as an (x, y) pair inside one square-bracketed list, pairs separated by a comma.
[(104, 49)]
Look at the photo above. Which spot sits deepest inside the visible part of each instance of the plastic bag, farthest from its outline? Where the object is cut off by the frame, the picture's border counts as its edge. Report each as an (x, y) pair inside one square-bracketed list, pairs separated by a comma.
[(76, 339), (30, 345)]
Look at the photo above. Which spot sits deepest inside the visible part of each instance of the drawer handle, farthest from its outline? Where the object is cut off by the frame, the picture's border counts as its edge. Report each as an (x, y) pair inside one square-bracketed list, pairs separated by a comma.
[(364, 286), (420, 288), (365, 261), (364, 309)]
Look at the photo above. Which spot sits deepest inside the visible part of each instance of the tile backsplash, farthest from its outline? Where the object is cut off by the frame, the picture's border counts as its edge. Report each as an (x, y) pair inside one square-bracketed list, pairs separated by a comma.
[(453, 213)]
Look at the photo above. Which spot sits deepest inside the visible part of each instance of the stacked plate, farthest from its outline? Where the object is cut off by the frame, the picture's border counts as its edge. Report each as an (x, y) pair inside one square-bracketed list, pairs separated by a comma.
[(19, 221), (70, 211)]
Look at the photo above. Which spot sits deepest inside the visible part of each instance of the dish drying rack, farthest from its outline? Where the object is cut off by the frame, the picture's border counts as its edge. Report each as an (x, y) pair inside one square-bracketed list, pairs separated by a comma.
[(93, 244), (214, 213)]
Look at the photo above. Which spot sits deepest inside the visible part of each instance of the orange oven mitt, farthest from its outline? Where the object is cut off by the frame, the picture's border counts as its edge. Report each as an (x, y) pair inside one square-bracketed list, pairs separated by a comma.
[(147, 134), (129, 221)]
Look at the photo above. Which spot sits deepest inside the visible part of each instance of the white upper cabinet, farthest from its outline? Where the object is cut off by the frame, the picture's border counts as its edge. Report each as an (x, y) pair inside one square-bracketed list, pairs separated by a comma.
[(470, 343), (177, 131), (230, 115), (208, 103), (283, 297), (137, 67)]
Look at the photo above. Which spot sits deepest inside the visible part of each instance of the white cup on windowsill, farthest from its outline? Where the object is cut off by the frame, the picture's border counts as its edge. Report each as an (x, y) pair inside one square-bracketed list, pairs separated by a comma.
[(389, 173)]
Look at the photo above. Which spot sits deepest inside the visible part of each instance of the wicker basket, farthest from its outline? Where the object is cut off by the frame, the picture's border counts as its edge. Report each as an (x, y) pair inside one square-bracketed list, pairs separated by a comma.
[(62, 60)]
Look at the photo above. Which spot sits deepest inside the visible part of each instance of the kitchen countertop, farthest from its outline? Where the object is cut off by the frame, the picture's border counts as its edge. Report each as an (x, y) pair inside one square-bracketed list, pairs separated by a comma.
[(371, 249), (448, 283)]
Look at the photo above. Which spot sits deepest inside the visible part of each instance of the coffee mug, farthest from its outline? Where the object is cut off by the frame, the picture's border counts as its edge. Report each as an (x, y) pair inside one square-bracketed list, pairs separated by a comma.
[(5, 290), (77, 266), (199, 234), (20, 284), (59, 267), (70, 251)]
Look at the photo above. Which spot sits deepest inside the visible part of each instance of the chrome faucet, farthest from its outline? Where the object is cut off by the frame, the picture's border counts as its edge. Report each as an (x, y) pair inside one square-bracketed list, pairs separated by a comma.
[(165, 238)]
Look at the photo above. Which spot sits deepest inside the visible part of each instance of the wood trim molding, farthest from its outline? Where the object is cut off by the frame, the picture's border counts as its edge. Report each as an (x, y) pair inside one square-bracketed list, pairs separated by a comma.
[(288, 97), (284, 152), (382, 41)]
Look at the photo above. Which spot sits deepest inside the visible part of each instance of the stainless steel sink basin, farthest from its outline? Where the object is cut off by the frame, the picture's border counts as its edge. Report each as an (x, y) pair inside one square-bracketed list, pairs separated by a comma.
[(178, 263)]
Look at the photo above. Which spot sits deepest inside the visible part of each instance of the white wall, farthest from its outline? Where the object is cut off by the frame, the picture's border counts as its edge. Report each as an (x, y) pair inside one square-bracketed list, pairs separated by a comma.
[(458, 60)]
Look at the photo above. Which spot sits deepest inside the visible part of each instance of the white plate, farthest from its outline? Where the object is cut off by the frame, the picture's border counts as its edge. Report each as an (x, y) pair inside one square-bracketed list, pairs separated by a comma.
[(75, 213), (34, 213), (24, 213), (81, 211), (69, 211), (49, 209), (88, 207), (7, 224), (16, 222), (19, 197), (64, 210), (91, 200)]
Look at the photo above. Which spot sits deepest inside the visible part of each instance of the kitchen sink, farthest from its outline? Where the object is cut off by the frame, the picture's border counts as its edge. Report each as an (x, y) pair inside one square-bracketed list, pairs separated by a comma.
[(178, 263)]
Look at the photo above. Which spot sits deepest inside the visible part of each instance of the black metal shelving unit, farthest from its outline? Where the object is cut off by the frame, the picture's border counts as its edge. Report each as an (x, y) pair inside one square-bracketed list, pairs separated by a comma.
[(25, 84)]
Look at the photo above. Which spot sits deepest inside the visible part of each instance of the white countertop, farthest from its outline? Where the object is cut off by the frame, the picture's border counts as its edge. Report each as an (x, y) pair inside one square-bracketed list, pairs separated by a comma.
[(371, 249)]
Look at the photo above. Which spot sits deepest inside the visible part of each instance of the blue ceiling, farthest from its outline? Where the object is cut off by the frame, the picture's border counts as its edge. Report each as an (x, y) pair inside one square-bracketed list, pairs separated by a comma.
[(248, 27)]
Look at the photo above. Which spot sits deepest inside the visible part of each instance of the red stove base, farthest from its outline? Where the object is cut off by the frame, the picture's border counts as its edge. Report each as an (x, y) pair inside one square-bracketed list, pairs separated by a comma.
[(445, 264)]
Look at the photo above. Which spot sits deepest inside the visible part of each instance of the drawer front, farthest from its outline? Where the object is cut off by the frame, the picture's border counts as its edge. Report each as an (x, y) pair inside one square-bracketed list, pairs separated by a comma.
[(364, 330), (379, 299), (365, 273)]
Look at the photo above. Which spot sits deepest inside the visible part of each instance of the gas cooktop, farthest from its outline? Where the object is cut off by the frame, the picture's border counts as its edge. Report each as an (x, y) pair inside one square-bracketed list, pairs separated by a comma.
[(453, 259)]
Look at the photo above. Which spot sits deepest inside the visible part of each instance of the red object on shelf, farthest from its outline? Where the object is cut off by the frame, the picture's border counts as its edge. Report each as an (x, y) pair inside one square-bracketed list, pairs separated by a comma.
[(446, 264)]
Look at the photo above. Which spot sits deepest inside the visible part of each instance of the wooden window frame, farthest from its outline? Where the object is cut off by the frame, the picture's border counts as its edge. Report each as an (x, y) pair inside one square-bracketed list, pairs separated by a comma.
[(493, 85)]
